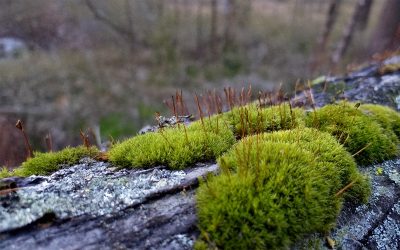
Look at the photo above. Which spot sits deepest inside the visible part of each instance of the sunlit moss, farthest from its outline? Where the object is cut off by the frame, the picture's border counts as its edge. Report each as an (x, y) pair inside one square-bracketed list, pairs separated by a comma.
[(277, 193), (361, 135)]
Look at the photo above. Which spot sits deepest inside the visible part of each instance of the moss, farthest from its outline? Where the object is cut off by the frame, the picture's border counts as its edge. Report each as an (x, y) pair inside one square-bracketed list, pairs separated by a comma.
[(200, 245), (276, 194), (175, 148), (203, 140), (389, 68), (46, 163), (217, 124), (388, 118), (362, 136), (252, 119), (4, 173), (326, 151)]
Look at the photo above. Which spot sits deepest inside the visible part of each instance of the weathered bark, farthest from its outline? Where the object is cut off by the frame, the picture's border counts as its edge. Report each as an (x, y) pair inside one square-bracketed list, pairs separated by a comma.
[(387, 32)]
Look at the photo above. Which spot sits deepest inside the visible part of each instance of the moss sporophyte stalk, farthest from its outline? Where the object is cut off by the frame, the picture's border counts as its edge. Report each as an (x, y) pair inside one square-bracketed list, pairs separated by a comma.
[(284, 172)]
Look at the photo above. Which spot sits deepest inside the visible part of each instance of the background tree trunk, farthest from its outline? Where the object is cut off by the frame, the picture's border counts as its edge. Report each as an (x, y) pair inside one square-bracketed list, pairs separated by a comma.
[(348, 33), (387, 32), (214, 27), (333, 11), (199, 27), (364, 15), (230, 24), (331, 18)]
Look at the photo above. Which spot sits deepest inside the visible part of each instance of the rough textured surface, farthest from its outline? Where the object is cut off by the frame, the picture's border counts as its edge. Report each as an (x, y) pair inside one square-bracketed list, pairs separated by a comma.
[(375, 225), (90, 205)]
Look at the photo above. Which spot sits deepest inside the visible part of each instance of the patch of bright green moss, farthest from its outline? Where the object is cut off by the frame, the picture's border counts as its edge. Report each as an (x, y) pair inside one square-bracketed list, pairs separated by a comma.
[(252, 119), (276, 194), (326, 151), (203, 140), (175, 148), (217, 124), (388, 118), (4, 173), (46, 163), (361, 135)]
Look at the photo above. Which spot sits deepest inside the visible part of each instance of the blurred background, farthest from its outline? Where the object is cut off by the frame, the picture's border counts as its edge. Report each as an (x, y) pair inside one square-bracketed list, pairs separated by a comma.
[(71, 65)]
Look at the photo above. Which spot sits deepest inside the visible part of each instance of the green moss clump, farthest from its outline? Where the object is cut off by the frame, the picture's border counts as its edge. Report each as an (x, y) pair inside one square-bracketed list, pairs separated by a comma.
[(326, 151), (217, 124), (203, 140), (361, 136), (276, 194), (4, 173), (388, 118), (46, 163), (175, 148), (252, 119)]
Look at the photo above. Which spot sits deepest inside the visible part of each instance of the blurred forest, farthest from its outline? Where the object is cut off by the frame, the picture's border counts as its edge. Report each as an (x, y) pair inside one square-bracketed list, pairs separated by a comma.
[(71, 65)]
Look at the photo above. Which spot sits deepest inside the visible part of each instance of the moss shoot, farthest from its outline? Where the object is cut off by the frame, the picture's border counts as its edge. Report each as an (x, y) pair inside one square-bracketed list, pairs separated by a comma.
[(360, 134)]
